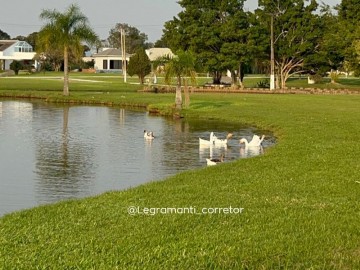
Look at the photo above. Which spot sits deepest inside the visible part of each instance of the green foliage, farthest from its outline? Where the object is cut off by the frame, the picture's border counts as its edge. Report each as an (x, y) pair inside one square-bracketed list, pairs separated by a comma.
[(4, 35), (265, 83), (134, 38), (64, 34), (317, 78), (181, 65), (217, 31), (139, 64), (16, 66), (291, 20)]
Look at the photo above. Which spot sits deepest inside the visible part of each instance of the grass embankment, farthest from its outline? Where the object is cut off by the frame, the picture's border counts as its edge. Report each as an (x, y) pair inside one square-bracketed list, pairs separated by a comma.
[(300, 199)]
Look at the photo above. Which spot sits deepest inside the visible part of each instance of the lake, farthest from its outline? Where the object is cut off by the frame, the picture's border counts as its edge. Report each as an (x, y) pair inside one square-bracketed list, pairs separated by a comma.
[(54, 152)]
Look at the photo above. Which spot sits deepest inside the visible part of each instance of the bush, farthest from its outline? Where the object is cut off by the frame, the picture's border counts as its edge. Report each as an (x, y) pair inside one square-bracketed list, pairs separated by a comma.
[(263, 84), (16, 66), (317, 78)]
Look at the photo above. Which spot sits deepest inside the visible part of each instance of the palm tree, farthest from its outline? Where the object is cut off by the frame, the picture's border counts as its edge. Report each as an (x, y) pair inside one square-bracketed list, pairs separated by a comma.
[(182, 67), (65, 31)]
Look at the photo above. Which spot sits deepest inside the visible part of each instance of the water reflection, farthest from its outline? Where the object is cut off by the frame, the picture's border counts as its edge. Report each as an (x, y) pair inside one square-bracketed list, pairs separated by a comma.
[(246, 151), (64, 165), (50, 152)]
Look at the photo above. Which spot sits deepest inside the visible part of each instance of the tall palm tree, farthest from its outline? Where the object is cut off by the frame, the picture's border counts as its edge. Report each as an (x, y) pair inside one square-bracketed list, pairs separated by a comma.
[(182, 67), (65, 31)]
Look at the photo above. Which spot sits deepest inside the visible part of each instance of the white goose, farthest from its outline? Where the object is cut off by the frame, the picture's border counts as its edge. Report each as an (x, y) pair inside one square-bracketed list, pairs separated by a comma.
[(203, 142), (214, 161), (255, 142), (222, 142), (148, 135)]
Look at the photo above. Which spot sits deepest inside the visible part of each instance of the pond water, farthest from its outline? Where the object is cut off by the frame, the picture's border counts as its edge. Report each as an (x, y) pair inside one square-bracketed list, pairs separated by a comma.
[(50, 153)]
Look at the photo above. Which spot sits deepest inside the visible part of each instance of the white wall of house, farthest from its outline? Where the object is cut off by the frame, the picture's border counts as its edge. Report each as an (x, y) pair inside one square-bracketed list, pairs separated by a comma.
[(108, 63), (9, 54), (109, 60)]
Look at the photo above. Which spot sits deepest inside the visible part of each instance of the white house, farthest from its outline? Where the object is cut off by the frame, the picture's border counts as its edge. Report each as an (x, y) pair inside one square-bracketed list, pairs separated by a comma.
[(109, 60), (155, 53), (11, 50)]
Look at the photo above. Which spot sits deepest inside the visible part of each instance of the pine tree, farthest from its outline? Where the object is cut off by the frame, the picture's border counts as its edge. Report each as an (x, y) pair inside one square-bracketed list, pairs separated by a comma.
[(139, 64)]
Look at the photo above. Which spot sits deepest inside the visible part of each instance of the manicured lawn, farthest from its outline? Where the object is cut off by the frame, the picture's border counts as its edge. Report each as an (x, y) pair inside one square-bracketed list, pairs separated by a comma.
[(301, 199)]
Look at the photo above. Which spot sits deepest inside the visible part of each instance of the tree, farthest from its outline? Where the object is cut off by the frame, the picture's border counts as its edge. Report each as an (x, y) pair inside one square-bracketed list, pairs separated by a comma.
[(139, 64), (134, 38), (65, 31), (349, 16), (217, 31), (4, 36), (31, 39), (182, 67), (16, 66), (297, 34)]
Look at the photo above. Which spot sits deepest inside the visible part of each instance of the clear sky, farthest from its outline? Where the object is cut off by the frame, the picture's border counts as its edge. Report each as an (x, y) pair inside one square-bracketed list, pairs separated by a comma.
[(22, 17)]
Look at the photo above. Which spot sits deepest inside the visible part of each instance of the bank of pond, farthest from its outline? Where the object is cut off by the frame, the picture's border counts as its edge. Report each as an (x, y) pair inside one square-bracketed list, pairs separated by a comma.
[(54, 152)]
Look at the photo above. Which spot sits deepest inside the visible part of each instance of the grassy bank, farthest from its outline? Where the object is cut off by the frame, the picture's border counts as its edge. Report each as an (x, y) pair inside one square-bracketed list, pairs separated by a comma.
[(300, 200)]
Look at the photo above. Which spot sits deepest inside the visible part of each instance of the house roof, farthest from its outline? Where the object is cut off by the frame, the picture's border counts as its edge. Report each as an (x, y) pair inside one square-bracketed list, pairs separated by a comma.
[(110, 52), (4, 44), (155, 53)]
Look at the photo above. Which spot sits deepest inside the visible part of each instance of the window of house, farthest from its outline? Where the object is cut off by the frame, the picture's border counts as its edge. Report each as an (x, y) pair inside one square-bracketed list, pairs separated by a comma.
[(23, 46), (115, 64)]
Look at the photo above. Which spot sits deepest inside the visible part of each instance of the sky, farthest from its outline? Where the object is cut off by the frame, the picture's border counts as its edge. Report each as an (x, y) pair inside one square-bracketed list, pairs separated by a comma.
[(22, 17)]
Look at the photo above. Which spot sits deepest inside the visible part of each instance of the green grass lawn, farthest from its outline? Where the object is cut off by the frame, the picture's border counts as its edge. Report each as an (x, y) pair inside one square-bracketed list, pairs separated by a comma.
[(300, 199)]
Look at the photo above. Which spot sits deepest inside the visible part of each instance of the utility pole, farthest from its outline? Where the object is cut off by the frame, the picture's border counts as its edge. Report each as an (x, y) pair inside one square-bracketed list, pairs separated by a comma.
[(123, 52), (272, 57)]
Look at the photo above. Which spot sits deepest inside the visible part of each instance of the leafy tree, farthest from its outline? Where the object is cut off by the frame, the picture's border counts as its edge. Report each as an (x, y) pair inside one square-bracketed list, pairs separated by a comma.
[(329, 54), (242, 40), (31, 39), (134, 38), (139, 64), (349, 17), (4, 36), (296, 32), (182, 67), (338, 47), (217, 31), (16, 66), (65, 31), (161, 43)]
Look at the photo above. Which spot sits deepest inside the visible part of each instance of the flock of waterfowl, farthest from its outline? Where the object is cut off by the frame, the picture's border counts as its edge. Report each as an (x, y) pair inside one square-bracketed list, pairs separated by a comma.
[(252, 146)]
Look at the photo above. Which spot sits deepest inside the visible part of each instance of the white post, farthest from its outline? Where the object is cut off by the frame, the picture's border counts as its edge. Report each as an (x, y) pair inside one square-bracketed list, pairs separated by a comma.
[(123, 52), (272, 60)]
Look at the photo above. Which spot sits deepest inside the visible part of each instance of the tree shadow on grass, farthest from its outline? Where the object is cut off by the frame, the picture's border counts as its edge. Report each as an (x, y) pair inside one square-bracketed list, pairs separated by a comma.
[(210, 104)]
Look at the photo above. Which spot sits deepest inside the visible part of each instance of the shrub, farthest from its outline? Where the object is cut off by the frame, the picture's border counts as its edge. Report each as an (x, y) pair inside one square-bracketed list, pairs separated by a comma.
[(16, 66), (317, 78), (263, 84)]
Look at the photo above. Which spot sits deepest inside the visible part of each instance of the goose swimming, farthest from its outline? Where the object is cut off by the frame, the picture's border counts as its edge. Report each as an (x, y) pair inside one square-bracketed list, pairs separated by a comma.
[(148, 135), (220, 142), (255, 141), (214, 161), (204, 142)]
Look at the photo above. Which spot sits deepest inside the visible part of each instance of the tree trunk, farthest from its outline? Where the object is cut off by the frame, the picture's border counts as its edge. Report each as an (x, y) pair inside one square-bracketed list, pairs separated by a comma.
[(332, 76), (186, 94), (241, 76), (178, 98), (66, 72), (217, 77)]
